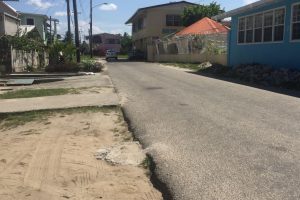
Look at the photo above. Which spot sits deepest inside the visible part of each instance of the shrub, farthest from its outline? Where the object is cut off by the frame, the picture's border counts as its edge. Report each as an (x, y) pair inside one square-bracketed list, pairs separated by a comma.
[(63, 67)]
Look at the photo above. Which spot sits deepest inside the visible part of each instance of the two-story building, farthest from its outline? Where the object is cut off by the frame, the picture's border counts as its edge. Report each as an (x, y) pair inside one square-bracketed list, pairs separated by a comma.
[(9, 21), (105, 41), (154, 22), (39, 21)]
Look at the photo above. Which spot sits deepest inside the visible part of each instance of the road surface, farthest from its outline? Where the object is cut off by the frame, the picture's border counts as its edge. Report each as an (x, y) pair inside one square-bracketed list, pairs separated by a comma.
[(212, 139)]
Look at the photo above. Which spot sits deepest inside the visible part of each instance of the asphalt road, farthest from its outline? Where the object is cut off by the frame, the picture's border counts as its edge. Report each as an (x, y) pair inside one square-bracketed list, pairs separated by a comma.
[(213, 139)]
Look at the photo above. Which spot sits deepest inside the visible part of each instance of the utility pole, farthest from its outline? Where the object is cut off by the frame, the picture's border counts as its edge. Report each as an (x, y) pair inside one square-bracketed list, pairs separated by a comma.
[(69, 21), (91, 28), (50, 30), (76, 31)]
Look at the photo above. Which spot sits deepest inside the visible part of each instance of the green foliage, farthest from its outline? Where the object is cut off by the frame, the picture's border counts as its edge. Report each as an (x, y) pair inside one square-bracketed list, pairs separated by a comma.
[(60, 53), (194, 13), (126, 43)]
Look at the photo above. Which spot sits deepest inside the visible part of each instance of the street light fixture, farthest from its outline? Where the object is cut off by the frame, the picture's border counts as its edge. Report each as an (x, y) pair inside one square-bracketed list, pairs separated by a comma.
[(91, 24)]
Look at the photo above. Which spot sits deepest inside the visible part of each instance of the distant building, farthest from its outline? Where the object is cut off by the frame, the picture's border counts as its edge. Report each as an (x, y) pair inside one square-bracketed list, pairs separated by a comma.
[(9, 21), (106, 41), (154, 22), (37, 20), (265, 32)]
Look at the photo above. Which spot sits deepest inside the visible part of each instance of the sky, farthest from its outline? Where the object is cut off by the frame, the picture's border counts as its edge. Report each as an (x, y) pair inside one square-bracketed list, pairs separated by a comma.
[(108, 18)]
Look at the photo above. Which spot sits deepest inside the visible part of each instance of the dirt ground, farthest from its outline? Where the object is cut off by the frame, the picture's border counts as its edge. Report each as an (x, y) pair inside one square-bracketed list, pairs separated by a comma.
[(55, 158)]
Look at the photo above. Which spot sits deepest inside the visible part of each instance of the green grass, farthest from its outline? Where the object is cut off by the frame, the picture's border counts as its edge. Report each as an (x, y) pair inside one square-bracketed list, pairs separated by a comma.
[(88, 58), (123, 56), (28, 93), (12, 120), (192, 66)]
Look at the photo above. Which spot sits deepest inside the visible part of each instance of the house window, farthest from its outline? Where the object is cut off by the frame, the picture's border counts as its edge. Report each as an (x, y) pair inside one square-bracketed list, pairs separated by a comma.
[(249, 29), (242, 27), (173, 20), (258, 24), (296, 22), (140, 24), (262, 27), (268, 26), (279, 24), (30, 21)]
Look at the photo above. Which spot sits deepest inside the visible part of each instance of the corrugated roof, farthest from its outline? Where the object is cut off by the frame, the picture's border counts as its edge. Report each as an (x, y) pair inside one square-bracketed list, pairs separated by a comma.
[(156, 6), (204, 26)]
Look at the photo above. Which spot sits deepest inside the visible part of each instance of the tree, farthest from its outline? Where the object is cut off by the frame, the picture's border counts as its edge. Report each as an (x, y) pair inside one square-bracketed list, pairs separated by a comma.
[(69, 37), (194, 13), (84, 48), (126, 43)]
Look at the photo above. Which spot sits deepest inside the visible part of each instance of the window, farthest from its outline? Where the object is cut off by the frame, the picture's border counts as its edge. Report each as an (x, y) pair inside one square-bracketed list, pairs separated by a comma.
[(173, 20), (140, 25), (268, 26), (30, 21), (262, 27), (249, 29), (242, 27), (279, 24), (258, 24), (296, 22)]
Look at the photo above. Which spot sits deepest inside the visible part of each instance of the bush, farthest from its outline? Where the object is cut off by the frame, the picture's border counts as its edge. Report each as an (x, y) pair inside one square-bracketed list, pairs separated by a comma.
[(91, 66), (63, 67)]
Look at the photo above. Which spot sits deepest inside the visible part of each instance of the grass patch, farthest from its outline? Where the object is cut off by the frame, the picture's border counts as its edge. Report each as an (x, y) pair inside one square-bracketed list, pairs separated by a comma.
[(123, 56), (192, 66), (12, 120), (28, 93)]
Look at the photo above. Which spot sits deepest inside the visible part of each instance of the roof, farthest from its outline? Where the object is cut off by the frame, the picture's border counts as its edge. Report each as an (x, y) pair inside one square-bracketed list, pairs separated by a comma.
[(8, 9), (34, 14), (25, 29), (157, 6), (240, 10), (204, 26)]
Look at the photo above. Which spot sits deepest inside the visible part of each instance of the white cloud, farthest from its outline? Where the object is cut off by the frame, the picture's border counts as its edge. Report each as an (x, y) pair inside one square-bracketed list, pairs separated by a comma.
[(246, 2), (40, 4), (60, 14), (108, 7)]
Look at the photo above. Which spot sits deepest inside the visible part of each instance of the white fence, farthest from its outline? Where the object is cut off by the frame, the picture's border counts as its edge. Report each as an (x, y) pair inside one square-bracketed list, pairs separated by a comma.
[(200, 48)]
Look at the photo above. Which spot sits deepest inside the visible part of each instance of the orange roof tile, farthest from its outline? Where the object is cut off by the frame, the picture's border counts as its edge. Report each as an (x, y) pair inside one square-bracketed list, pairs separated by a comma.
[(204, 26)]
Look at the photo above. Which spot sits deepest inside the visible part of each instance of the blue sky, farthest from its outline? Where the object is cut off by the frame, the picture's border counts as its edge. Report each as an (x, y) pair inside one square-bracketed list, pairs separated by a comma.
[(110, 18)]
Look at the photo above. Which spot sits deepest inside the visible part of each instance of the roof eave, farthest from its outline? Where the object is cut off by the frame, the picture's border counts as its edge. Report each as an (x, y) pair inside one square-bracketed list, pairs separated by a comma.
[(242, 9), (129, 21)]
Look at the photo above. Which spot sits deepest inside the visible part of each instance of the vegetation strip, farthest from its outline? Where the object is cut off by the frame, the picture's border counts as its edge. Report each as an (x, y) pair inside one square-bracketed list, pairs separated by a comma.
[(29, 93), (12, 120)]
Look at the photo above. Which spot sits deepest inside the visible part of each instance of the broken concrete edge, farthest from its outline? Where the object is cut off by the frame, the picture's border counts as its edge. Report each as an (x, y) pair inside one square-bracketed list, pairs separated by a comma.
[(154, 177)]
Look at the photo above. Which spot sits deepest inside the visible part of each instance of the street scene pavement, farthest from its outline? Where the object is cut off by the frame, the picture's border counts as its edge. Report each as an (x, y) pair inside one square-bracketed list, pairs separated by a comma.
[(212, 139)]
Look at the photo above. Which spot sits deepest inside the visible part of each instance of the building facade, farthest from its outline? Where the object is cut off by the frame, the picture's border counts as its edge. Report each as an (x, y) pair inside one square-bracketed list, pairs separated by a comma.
[(106, 41), (37, 20), (265, 32), (155, 22), (9, 21)]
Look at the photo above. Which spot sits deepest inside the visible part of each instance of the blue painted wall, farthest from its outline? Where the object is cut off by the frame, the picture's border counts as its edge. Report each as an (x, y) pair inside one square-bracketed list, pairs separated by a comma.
[(285, 54)]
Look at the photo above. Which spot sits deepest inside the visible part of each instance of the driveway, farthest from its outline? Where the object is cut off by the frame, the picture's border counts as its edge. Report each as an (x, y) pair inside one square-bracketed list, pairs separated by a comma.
[(212, 139)]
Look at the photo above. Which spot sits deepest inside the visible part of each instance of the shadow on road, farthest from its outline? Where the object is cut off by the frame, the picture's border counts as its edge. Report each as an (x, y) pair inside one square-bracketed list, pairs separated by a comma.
[(294, 93)]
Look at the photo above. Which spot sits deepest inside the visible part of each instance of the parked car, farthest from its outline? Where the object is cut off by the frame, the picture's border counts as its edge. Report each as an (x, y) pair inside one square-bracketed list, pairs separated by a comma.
[(111, 54), (136, 55)]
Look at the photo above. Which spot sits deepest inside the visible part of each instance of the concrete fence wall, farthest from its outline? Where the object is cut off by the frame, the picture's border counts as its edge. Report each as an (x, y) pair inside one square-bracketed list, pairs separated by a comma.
[(185, 58), (21, 60)]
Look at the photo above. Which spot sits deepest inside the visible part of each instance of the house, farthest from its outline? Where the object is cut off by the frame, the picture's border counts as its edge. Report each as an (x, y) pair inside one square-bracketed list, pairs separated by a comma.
[(154, 22), (265, 32), (37, 20), (204, 26), (9, 21), (106, 41)]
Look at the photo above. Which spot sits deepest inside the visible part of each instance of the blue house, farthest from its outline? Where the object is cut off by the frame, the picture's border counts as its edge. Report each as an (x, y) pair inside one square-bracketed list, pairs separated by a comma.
[(265, 32)]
